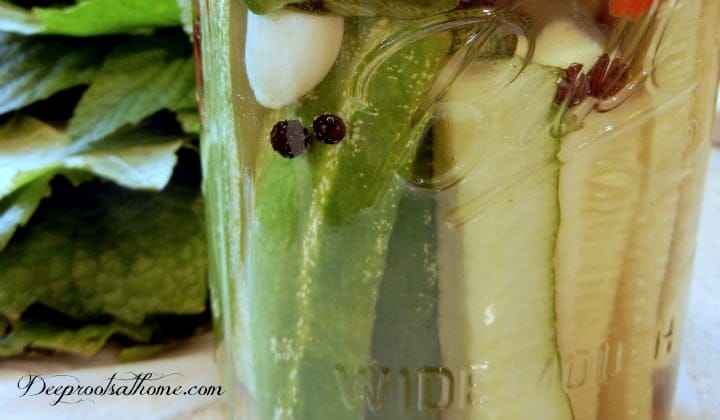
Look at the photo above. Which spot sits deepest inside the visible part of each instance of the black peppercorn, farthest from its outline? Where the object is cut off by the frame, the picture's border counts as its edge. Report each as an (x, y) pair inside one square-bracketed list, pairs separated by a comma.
[(289, 138), (329, 128)]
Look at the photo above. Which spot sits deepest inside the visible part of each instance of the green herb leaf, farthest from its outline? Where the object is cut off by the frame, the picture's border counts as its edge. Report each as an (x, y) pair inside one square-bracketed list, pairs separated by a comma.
[(91, 17), (137, 79), (31, 149), (34, 68), (98, 17), (136, 158), (189, 119), (142, 352), (102, 260), (16, 209), (186, 15), (16, 19), (32, 152), (101, 250), (83, 341)]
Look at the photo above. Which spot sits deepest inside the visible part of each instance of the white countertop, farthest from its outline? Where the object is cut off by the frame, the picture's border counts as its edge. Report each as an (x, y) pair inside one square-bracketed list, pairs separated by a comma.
[(193, 365), (701, 343)]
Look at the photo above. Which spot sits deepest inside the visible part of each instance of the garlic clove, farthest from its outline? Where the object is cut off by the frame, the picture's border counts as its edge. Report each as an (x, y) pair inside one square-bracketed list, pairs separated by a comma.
[(565, 34), (288, 53)]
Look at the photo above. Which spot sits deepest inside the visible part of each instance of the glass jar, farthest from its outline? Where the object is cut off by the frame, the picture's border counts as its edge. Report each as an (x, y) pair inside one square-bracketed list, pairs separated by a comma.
[(453, 209)]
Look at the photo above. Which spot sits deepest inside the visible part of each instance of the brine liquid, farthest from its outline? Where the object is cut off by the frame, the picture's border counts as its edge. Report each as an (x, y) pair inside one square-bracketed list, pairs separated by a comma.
[(400, 305)]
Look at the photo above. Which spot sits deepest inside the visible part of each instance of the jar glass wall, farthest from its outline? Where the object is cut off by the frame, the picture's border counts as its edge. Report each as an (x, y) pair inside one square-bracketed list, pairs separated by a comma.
[(454, 209)]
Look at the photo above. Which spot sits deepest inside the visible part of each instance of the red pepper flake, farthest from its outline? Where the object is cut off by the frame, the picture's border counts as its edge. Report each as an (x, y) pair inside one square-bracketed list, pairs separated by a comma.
[(633, 9)]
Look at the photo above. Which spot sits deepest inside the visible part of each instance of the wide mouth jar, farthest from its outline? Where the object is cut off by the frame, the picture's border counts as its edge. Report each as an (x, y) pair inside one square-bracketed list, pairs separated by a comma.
[(453, 209)]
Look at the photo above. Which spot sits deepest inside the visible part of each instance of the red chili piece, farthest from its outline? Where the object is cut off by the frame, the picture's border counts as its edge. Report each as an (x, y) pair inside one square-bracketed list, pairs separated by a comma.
[(633, 9)]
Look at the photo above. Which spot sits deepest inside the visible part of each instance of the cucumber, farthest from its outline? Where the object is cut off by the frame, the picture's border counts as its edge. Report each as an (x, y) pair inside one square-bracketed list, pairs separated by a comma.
[(622, 212), (676, 285), (402, 9), (598, 194), (600, 181), (222, 159), (668, 134), (695, 159), (405, 337), (320, 228), (601, 245), (496, 240)]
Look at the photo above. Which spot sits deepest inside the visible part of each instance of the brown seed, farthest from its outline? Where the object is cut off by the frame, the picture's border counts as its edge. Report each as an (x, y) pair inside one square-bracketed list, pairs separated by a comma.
[(605, 79), (580, 90), (597, 75), (617, 76), (573, 86)]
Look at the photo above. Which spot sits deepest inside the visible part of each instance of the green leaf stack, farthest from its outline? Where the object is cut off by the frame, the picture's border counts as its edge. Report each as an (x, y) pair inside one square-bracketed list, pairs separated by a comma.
[(101, 224)]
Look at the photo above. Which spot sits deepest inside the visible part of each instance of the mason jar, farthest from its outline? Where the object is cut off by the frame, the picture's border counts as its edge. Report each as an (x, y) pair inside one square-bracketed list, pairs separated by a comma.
[(450, 209)]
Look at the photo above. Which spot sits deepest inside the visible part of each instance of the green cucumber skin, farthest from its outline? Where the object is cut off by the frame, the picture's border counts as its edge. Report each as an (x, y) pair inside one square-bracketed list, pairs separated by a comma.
[(408, 339), (221, 161), (316, 246)]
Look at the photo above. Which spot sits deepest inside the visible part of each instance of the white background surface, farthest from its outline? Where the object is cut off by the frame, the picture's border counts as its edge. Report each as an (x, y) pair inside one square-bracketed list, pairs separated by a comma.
[(701, 347), (698, 392)]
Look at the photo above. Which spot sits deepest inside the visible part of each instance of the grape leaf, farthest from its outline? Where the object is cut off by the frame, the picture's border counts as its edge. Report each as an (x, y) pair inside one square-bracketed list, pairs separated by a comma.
[(17, 19), (98, 17), (16, 209), (32, 152), (34, 68), (82, 341), (101, 250), (91, 17), (138, 78), (30, 149)]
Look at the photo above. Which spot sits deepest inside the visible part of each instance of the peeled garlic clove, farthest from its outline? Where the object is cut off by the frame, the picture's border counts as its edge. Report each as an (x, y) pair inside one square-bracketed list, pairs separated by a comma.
[(565, 34), (288, 53), (564, 42)]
